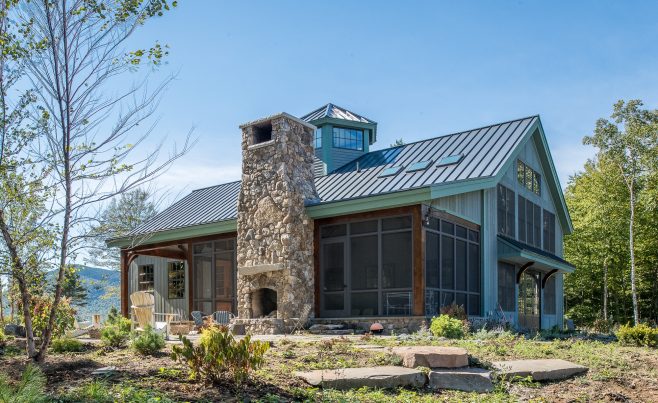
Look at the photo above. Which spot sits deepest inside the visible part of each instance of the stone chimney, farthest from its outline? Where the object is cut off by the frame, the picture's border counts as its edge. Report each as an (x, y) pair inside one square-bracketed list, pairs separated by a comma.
[(275, 235)]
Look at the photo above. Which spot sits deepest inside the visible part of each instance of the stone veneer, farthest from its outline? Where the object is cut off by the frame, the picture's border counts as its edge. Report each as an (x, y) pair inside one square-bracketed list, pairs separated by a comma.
[(275, 235)]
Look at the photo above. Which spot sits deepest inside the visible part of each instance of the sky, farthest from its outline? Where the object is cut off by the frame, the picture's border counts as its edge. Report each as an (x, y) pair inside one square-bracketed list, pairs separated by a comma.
[(419, 68)]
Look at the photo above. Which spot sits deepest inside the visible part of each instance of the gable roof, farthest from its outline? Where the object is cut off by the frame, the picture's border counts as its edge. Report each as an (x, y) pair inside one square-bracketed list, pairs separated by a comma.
[(486, 155), (335, 112)]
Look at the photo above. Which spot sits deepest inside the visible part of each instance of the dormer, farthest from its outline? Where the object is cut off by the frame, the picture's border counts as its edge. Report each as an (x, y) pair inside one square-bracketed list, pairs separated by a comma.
[(341, 135)]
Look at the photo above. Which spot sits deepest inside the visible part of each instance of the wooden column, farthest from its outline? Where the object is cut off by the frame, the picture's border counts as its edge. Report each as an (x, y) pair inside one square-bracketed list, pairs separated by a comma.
[(125, 266), (190, 280), (418, 241)]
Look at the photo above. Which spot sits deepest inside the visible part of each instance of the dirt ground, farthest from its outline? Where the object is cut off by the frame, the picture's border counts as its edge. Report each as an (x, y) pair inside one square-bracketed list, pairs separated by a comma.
[(617, 374)]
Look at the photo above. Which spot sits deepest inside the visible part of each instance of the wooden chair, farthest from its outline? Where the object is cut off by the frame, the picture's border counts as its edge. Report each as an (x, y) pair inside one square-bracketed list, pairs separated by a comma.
[(300, 322), (143, 313)]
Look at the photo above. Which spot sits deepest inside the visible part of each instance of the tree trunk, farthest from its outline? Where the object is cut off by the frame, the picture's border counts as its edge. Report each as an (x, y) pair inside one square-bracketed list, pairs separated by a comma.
[(2, 305), (605, 290), (631, 228)]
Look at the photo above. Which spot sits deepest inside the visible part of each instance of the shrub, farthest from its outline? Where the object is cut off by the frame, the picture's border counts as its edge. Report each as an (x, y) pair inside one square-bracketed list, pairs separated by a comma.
[(116, 332), (31, 387), (3, 336), (454, 311), (601, 325), (148, 342), (219, 355), (445, 326), (66, 345), (640, 335), (64, 315)]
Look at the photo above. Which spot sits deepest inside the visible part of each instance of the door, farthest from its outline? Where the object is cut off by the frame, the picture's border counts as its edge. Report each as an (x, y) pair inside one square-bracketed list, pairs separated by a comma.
[(333, 281), (529, 304)]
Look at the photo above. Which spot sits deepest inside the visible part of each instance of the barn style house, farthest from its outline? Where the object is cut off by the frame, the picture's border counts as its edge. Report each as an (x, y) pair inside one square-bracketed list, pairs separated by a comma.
[(321, 224)]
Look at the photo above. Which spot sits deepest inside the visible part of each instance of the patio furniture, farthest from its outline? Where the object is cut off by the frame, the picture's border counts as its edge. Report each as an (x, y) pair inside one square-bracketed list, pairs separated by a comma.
[(143, 313), (181, 327), (197, 317), (300, 322), (222, 317)]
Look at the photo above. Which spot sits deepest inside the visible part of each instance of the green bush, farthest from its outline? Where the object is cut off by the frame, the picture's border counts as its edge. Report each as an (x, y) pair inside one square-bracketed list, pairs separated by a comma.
[(41, 306), (445, 326), (219, 355), (31, 388), (454, 311), (66, 345), (640, 335), (148, 342), (116, 332), (3, 337)]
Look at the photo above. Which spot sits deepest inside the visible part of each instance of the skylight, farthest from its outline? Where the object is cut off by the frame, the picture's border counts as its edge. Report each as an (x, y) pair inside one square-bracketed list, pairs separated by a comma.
[(419, 166), (391, 171), (450, 160)]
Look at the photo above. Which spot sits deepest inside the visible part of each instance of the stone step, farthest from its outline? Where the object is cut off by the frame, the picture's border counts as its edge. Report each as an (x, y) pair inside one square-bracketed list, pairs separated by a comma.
[(540, 370), (432, 356), (372, 377), (337, 332), (464, 379)]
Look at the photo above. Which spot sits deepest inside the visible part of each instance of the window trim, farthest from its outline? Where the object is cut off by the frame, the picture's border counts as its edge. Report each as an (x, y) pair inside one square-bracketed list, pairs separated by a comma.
[(509, 212), (181, 278), (141, 271), (317, 142), (360, 142), (522, 172)]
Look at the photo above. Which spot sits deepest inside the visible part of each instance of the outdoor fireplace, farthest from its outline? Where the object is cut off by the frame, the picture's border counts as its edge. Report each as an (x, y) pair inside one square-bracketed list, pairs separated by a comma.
[(263, 303)]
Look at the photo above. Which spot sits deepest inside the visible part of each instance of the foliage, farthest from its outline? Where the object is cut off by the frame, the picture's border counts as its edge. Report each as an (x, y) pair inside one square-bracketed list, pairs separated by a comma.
[(639, 335), (454, 311), (66, 345), (219, 355), (601, 325), (116, 332), (3, 337), (148, 342), (445, 326), (101, 392), (30, 389), (41, 306), (398, 142), (73, 288)]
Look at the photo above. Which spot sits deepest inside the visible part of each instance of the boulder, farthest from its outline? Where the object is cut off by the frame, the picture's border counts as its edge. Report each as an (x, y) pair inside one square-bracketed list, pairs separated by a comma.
[(464, 379), (432, 356), (540, 370), (14, 330), (372, 377)]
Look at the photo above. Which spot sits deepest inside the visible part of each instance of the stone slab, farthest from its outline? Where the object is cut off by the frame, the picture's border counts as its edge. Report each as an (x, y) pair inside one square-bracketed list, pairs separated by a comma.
[(464, 379), (261, 268), (432, 356), (540, 370), (373, 377)]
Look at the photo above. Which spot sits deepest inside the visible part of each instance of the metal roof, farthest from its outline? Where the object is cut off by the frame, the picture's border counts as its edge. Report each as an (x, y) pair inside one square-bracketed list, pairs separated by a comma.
[(484, 151), (333, 111), (202, 206)]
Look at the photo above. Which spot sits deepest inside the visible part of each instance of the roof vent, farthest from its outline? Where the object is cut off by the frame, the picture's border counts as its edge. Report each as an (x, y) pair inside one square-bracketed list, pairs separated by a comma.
[(450, 160), (390, 171), (419, 166)]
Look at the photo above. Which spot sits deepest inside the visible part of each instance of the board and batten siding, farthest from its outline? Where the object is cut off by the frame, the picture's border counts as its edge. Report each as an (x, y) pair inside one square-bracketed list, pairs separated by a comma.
[(465, 205), (160, 287)]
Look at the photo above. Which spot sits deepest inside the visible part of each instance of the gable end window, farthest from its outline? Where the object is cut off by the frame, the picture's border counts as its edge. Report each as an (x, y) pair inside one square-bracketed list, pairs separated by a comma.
[(528, 178), (351, 139), (145, 277), (529, 222), (505, 211), (176, 280), (549, 231)]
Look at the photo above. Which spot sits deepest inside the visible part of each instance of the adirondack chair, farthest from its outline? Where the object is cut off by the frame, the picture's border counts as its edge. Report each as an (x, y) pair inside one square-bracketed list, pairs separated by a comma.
[(143, 313), (300, 322), (222, 317)]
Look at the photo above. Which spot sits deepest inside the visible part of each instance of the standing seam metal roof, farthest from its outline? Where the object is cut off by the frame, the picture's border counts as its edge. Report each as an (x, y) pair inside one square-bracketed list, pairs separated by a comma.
[(484, 151), (333, 111)]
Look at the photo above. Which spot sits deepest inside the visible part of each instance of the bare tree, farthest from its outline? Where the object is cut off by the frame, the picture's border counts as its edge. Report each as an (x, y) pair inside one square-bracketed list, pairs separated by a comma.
[(94, 124)]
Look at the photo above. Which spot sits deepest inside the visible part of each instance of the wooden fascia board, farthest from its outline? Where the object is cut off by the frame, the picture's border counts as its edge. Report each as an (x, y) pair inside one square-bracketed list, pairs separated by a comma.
[(177, 234), (537, 258)]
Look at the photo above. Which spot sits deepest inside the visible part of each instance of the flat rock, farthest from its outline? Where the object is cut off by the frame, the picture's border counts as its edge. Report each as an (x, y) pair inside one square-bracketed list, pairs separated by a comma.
[(540, 370), (432, 356), (464, 379), (373, 377), (320, 327), (105, 371)]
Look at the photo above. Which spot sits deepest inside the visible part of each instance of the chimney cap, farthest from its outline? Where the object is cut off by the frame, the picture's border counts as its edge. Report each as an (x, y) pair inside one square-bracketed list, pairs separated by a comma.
[(277, 115)]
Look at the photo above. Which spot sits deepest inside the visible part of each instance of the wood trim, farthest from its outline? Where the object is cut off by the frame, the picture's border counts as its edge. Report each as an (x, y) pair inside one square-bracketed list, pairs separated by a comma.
[(124, 283), (167, 253), (190, 278), (522, 270), (418, 242), (364, 216), (546, 277), (437, 213), (316, 266), (183, 240)]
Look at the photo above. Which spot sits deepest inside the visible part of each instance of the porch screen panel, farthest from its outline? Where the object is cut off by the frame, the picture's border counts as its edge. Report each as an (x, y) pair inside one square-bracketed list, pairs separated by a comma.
[(214, 270), (364, 275)]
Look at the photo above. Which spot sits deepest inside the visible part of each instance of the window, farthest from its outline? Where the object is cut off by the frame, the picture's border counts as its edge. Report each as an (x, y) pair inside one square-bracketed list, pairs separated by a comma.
[(318, 137), (529, 222), (213, 276), (176, 279), (549, 296), (452, 267), (449, 160), (351, 139), (529, 178), (145, 278), (506, 286), (390, 171), (549, 231), (505, 211), (419, 166)]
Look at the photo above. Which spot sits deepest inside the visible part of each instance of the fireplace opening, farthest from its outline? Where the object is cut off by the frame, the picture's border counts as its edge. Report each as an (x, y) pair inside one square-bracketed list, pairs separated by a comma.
[(263, 303)]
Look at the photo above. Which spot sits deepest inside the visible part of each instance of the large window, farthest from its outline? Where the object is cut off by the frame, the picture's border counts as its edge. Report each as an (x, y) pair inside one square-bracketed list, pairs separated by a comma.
[(214, 276), (366, 268), (528, 178), (318, 137), (549, 231), (529, 222), (506, 286), (505, 211), (549, 296), (145, 277), (351, 139), (452, 267), (176, 279)]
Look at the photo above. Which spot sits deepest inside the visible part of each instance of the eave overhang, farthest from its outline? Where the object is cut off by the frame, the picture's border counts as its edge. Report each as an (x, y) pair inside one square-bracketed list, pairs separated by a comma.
[(516, 252), (183, 233)]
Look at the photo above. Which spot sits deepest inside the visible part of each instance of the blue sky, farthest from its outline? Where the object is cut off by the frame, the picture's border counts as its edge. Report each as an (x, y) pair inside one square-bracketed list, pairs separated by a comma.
[(418, 68)]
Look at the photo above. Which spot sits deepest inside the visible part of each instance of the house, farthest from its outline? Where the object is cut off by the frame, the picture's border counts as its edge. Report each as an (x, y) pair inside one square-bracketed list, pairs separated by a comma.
[(320, 221)]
